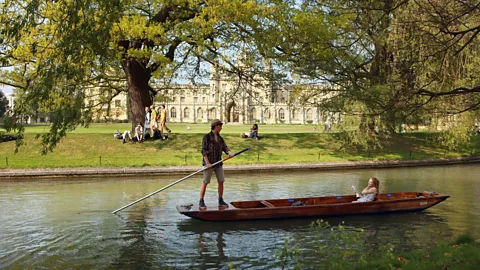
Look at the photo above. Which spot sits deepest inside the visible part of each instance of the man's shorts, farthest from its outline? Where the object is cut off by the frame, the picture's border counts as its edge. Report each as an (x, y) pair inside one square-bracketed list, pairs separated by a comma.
[(155, 125), (207, 174)]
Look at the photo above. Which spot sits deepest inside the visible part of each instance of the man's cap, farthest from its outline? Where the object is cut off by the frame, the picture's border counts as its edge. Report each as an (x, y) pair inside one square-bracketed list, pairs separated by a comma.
[(216, 122)]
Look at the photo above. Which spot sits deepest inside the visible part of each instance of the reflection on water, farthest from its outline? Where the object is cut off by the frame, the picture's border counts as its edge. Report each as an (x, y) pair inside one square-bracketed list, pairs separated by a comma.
[(68, 223)]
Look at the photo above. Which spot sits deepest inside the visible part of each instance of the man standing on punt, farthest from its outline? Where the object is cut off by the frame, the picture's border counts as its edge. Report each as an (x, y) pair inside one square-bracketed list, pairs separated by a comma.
[(212, 147)]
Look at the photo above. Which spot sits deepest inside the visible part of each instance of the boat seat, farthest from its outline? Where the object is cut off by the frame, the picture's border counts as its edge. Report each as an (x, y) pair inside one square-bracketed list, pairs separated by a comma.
[(267, 204)]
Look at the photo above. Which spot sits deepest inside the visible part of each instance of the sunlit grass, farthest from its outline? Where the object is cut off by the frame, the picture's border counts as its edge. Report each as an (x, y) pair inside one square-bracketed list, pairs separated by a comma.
[(95, 146)]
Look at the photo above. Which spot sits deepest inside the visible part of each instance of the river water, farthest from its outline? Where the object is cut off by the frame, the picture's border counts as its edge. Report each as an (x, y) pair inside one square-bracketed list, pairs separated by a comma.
[(67, 223)]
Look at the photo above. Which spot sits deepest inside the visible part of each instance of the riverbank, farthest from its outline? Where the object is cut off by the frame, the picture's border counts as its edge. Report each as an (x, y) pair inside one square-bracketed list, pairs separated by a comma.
[(6, 174)]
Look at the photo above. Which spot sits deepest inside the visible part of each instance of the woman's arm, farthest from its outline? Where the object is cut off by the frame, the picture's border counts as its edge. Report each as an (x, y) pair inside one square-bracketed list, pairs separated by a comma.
[(367, 190)]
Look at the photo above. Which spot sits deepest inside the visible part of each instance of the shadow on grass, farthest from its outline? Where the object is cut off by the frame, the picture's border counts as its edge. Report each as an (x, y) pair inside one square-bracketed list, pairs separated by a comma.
[(270, 146)]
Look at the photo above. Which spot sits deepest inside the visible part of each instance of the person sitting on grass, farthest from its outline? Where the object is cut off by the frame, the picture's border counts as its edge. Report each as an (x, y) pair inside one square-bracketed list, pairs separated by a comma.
[(139, 132), (254, 132), (127, 134), (370, 193)]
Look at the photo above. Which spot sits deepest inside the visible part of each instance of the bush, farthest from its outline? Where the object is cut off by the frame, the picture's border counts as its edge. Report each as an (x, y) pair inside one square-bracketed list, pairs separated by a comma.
[(338, 248)]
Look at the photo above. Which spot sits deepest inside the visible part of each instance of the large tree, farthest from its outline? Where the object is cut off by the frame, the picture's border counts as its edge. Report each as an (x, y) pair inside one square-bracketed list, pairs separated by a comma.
[(3, 104), (394, 61), (58, 49)]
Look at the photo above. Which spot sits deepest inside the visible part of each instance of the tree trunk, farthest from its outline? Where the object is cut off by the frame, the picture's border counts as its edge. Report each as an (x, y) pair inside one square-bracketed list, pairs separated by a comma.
[(138, 90)]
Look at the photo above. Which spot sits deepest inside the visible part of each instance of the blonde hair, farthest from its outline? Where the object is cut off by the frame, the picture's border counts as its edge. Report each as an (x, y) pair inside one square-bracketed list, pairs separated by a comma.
[(376, 184)]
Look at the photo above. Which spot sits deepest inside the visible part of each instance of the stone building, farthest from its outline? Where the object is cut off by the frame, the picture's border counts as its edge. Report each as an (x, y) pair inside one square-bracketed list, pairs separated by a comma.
[(227, 97), (242, 100), (105, 107)]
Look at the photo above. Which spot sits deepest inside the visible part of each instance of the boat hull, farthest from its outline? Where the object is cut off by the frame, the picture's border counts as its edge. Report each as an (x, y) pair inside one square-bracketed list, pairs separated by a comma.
[(314, 207)]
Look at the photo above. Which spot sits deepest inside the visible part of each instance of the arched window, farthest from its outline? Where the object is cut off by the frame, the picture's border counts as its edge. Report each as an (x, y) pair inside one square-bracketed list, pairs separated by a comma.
[(309, 114), (281, 114), (173, 113), (199, 113), (267, 114), (212, 114), (186, 112), (253, 114), (295, 114)]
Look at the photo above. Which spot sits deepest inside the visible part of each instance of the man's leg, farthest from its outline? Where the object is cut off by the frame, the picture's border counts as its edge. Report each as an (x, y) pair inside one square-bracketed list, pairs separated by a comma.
[(161, 127), (207, 175), (220, 189), (221, 179), (144, 129)]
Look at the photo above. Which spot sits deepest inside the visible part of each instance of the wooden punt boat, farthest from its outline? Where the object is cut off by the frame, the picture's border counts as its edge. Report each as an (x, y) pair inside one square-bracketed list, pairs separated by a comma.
[(314, 207)]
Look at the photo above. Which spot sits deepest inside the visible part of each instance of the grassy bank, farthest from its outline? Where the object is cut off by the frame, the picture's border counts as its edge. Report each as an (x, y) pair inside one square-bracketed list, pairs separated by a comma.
[(355, 253), (95, 146)]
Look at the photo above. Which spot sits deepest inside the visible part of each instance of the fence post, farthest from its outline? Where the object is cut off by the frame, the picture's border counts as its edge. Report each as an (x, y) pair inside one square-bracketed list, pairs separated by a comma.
[(6, 160), (258, 156), (100, 160), (185, 159), (318, 159)]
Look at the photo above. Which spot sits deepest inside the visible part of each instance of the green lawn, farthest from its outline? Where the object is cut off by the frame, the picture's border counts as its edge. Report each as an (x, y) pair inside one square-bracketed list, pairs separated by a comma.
[(181, 128), (95, 146)]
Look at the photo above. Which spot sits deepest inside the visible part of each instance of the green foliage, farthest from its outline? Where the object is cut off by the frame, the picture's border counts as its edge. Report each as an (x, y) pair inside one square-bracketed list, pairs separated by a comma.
[(464, 239), (286, 254), (378, 60), (339, 247), (386, 63), (344, 248), (456, 133), (3, 104), (59, 51), (354, 132)]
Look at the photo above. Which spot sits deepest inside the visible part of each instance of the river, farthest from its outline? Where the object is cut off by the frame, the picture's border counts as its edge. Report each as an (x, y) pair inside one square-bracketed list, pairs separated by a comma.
[(67, 223)]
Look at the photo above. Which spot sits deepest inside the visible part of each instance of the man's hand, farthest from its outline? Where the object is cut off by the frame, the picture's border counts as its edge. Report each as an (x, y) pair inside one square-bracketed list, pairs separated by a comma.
[(230, 154), (208, 165)]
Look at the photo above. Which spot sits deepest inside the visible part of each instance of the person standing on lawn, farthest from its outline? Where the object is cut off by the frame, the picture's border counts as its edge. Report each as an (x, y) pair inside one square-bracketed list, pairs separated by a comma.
[(212, 147), (163, 120), (153, 119)]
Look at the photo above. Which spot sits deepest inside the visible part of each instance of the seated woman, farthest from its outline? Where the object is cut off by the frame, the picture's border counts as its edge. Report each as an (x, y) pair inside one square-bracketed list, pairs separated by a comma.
[(370, 192), (254, 132), (139, 132)]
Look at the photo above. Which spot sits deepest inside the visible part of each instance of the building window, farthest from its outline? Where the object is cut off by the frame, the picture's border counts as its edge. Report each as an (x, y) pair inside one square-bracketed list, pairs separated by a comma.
[(117, 103), (281, 114), (204, 100), (90, 103), (253, 114), (267, 114), (195, 99), (309, 114), (182, 99), (199, 113), (212, 114), (173, 113), (186, 113)]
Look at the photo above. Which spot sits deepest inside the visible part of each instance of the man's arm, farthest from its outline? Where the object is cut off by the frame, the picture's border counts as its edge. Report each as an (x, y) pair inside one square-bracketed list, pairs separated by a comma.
[(226, 150), (207, 162)]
